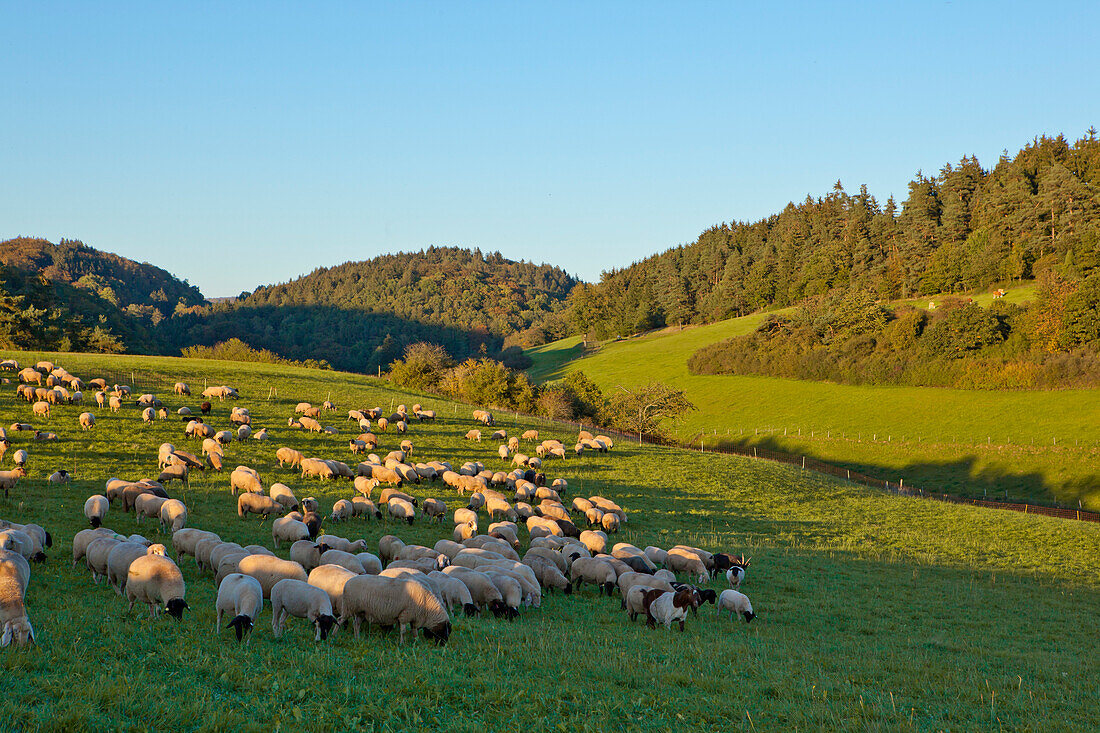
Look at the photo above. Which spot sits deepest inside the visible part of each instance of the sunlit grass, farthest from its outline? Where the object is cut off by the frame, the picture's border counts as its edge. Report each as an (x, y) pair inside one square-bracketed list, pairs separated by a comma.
[(875, 612)]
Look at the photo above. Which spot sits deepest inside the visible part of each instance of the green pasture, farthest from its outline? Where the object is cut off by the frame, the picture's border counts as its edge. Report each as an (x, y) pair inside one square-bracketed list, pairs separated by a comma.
[(876, 612), (1032, 445)]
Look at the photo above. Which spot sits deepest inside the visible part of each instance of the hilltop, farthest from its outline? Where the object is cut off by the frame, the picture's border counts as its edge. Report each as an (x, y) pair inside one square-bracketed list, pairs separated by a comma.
[(361, 315)]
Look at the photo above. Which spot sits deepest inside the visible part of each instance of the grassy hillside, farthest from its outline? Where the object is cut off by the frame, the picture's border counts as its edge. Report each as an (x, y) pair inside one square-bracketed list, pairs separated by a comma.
[(1032, 445), (987, 613)]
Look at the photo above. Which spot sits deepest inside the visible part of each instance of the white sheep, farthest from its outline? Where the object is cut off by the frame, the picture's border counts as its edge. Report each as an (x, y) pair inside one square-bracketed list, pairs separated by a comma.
[(156, 580), (391, 601), (242, 597), (300, 599), (736, 603), (95, 509)]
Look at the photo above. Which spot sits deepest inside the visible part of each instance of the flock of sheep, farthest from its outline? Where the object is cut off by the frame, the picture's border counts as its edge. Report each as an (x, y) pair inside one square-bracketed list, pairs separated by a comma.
[(330, 580)]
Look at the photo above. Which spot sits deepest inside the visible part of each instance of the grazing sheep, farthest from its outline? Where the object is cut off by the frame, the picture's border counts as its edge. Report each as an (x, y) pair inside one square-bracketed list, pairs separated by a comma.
[(680, 560), (265, 506), (95, 509), (342, 511), (173, 515), (299, 599), (595, 571), (316, 467), (289, 456), (736, 603), (270, 570), (392, 601), (241, 597), (14, 622), (549, 575), (483, 592), (665, 608), (332, 579), (156, 580), (364, 507), (284, 495), (148, 506), (122, 556), (364, 485), (400, 509), (245, 480), (656, 555), (177, 472), (344, 560)]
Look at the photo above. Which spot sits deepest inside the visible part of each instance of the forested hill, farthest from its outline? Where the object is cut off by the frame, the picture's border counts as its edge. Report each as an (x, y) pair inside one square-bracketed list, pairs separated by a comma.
[(965, 228), (361, 315), (122, 282)]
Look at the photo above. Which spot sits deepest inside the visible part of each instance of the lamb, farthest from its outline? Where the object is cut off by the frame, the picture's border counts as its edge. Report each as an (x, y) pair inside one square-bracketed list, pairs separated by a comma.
[(156, 580), (14, 577), (391, 601), (241, 597), (473, 435), (665, 607), (332, 579), (182, 389), (294, 598), (95, 509), (257, 504), (270, 570), (736, 603), (340, 543), (313, 522), (610, 522), (289, 456), (288, 530), (595, 571)]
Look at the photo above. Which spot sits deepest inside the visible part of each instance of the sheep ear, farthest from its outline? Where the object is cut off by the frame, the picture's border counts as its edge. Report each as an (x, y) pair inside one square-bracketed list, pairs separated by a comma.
[(5, 640), (30, 636)]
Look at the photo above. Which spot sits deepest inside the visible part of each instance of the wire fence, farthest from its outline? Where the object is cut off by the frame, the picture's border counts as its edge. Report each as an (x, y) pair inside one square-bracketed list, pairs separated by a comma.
[(855, 477)]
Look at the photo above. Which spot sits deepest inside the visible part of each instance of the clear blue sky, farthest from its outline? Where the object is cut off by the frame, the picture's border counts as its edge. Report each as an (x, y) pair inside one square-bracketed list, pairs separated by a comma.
[(248, 144)]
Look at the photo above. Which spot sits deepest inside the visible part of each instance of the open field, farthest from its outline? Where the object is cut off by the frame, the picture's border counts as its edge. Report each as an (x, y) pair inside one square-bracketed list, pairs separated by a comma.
[(1037, 445), (875, 611)]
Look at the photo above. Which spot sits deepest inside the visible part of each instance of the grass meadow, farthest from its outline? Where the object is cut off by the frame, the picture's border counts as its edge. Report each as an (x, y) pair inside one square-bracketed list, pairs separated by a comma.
[(876, 612), (1033, 445)]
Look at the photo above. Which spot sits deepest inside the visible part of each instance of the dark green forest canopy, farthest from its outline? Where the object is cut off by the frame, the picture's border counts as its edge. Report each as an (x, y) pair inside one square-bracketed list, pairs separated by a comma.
[(965, 228), (360, 316)]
